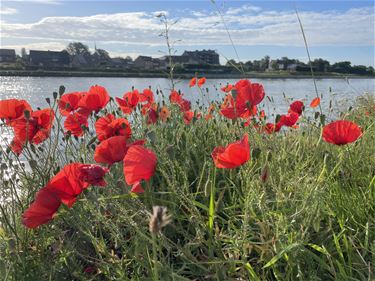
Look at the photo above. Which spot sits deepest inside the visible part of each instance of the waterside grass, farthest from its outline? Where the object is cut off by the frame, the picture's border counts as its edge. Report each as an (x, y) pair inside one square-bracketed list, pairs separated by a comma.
[(300, 209)]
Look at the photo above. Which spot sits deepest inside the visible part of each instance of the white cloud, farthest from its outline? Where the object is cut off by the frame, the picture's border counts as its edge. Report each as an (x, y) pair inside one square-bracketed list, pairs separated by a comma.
[(8, 11), (36, 1), (354, 27), (243, 9)]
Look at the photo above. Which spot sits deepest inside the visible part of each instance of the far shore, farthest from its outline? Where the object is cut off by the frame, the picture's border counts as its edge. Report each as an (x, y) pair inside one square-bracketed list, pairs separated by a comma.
[(264, 75)]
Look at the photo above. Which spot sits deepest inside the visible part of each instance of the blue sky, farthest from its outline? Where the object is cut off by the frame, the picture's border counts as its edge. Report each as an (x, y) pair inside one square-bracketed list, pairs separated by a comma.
[(335, 30)]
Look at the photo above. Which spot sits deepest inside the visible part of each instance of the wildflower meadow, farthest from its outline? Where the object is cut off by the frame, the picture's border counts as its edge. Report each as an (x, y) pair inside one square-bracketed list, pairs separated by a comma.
[(152, 187)]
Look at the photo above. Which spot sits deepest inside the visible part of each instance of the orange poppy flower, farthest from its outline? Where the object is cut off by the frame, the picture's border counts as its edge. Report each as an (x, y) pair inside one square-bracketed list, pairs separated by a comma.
[(341, 132), (201, 82), (164, 113), (315, 102), (233, 155), (139, 164), (109, 126), (95, 100), (193, 82)]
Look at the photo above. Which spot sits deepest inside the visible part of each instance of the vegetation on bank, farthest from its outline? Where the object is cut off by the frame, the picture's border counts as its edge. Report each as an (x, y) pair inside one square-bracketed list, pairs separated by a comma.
[(298, 209)]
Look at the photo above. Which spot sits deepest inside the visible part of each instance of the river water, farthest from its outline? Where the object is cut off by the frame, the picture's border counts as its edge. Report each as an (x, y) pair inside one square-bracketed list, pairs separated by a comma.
[(340, 91)]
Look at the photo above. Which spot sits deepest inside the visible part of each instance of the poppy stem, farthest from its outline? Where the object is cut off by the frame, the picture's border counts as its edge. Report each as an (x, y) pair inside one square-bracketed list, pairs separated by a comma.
[(211, 215), (155, 270)]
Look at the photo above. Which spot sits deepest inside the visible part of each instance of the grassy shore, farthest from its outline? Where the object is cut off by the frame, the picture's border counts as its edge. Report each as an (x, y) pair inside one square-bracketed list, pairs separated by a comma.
[(312, 218)]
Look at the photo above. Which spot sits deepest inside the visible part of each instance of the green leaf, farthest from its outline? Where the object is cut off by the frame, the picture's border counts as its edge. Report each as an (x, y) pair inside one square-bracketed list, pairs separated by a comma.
[(275, 259)]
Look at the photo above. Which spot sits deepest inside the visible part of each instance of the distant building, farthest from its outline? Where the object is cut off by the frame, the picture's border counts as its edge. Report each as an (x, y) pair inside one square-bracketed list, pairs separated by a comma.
[(49, 58), (203, 57), (145, 62), (7, 55), (122, 63), (178, 60), (79, 61)]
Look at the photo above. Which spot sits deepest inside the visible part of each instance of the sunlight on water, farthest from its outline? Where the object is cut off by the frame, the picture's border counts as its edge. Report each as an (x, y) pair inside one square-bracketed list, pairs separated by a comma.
[(36, 89)]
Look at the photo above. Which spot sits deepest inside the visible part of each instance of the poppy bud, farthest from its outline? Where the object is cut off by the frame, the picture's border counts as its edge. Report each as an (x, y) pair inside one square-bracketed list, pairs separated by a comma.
[(264, 174), (54, 95), (27, 114), (48, 100), (61, 90)]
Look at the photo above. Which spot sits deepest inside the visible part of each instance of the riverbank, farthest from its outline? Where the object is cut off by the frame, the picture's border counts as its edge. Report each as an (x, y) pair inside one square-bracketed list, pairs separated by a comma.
[(265, 75), (296, 205)]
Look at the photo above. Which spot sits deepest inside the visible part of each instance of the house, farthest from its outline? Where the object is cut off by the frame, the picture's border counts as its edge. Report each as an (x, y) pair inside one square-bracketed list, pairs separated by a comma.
[(178, 60), (143, 62), (49, 58), (292, 67), (7, 55), (203, 57), (79, 61), (122, 63), (149, 63)]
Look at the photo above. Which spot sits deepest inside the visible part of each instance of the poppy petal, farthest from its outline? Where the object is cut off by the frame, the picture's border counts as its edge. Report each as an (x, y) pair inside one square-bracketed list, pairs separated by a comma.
[(139, 164)]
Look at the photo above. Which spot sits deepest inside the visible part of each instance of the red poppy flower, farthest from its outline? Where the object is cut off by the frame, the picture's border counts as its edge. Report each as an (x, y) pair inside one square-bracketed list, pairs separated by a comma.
[(175, 97), (93, 174), (227, 88), (201, 81), (129, 101), (289, 119), (229, 108), (137, 188), (12, 109), (36, 129), (262, 114), (248, 92), (69, 102), (42, 210), (139, 164), (147, 96), (233, 155), (315, 102), (193, 82), (95, 100), (152, 116), (270, 128), (74, 122), (188, 116), (111, 150), (297, 107), (109, 126), (73, 179), (341, 132), (184, 105)]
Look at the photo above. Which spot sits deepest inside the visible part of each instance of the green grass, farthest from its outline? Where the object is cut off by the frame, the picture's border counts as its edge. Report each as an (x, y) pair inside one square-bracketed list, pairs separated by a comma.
[(313, 219)]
